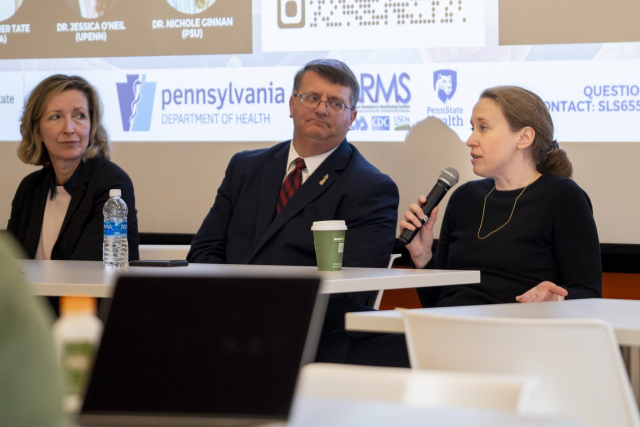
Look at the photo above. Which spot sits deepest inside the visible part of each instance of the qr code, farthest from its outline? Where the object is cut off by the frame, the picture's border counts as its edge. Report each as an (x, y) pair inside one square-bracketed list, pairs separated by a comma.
[(369, 13), (308, 25)]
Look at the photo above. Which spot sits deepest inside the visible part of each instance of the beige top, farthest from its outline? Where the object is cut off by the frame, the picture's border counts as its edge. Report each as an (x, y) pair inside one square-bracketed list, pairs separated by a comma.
[(54, 213)]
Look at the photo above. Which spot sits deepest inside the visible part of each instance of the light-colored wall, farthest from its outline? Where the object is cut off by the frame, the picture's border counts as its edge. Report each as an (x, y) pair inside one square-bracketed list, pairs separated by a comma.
[(175, 183), (527, 22)]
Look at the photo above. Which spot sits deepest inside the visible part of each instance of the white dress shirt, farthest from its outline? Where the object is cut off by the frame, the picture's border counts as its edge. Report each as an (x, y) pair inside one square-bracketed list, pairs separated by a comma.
[(312, 162)]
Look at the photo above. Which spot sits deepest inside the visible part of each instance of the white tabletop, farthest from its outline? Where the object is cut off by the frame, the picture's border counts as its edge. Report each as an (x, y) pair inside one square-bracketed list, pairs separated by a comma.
[(623, 315), (316, 412), (56, 278)]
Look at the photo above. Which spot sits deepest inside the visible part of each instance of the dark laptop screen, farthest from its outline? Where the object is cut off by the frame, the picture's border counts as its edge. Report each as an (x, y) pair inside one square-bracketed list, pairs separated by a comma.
[(202, 346)]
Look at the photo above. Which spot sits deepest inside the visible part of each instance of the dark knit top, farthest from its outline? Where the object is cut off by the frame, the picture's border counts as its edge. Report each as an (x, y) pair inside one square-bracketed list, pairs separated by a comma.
[(551, 236)]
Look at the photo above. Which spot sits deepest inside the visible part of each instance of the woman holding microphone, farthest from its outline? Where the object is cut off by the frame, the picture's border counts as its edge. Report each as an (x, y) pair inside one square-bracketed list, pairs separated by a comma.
[(526, 226)]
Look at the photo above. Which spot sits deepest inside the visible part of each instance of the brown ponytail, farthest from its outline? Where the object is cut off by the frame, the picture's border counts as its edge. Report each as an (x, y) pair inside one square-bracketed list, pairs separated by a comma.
[(557, 163)]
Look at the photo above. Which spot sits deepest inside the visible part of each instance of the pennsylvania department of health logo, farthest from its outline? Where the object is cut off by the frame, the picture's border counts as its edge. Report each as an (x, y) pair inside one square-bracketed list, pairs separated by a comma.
[(445, 83), (136, 102)]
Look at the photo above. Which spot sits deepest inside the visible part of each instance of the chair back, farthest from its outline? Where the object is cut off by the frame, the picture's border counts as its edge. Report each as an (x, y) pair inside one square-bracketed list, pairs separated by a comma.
[(577, 362), (415, 387), (392, 258)]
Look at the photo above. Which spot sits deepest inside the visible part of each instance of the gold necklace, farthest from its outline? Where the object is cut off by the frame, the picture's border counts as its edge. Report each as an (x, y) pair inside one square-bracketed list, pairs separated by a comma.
[(513, 209)]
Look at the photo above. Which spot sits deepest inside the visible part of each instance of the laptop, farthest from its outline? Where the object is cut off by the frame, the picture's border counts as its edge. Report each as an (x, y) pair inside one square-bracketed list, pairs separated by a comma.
[(203, 351)]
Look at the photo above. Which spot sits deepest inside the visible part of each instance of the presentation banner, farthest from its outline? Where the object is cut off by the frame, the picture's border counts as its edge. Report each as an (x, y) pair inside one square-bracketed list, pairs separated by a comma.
[(307, 25), (589, 101), (119, 28)]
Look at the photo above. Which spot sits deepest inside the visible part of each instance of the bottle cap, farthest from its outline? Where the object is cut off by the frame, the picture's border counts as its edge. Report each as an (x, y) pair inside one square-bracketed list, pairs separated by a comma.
[(114, 192), (77, 304)]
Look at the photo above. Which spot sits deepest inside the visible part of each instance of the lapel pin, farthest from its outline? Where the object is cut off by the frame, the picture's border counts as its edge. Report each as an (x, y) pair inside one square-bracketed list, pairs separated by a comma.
[(326, 177)]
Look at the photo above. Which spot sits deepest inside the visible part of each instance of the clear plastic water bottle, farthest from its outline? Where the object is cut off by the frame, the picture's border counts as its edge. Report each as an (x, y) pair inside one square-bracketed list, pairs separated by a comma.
[(115, 248)]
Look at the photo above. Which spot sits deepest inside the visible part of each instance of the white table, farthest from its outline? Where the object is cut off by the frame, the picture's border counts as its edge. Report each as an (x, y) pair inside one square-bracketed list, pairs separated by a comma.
[(315, 412), (57, 278), (623, 315)]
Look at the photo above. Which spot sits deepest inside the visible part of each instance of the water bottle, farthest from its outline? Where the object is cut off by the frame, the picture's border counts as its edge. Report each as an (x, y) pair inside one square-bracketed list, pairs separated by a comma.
[(77, 334), (115, 248)]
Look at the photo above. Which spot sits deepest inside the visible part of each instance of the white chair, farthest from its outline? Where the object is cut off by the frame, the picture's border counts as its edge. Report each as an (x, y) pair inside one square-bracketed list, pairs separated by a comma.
[(578, 362), (392, 259), (164, 252), (415, 387)]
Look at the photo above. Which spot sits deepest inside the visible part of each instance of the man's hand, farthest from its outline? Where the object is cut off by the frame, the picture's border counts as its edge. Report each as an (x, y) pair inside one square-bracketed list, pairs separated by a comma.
[(545, 291)]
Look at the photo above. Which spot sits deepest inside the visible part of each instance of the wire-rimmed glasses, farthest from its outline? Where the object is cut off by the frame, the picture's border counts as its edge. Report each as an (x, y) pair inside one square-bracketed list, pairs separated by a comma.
[(332, 106)]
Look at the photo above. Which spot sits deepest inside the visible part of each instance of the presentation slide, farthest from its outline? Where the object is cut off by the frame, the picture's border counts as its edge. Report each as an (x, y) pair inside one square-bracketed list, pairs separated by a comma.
[(117, 28), (222, 70)]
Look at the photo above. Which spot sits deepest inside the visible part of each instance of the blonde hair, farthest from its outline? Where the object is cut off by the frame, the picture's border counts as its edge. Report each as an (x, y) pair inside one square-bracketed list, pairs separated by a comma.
[(31, 149)]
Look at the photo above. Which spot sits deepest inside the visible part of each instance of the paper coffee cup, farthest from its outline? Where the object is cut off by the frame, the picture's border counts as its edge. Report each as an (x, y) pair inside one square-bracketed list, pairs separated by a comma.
[(328, 238)]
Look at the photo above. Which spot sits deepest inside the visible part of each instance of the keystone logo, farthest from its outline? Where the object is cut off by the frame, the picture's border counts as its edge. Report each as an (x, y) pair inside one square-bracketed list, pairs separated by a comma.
[(359, 124), (445, 83), (136, 102)]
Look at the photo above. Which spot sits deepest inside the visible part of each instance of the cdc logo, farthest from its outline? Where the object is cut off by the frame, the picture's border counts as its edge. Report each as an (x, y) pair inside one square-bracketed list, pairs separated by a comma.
[(445, 83), (359, 124), (136, 102), (380, 122)]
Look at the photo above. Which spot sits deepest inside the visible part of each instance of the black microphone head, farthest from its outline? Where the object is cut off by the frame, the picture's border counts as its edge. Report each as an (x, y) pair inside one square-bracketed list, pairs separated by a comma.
[(449, 175)]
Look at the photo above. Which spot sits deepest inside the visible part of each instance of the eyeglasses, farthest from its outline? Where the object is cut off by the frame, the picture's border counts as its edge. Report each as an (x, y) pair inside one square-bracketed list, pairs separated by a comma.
[(333, 107)]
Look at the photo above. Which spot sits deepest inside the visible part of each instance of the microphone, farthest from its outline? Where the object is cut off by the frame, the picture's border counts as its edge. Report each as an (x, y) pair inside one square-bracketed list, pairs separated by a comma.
[(448, 177)]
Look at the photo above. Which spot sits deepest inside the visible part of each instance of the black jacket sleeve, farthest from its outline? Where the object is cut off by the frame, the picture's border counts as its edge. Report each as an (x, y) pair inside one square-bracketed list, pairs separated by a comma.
[(105, 177), (576, 244)]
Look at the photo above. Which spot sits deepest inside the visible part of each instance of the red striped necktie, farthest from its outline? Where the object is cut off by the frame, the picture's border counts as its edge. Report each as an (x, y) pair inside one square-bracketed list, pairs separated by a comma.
[(291, 183)]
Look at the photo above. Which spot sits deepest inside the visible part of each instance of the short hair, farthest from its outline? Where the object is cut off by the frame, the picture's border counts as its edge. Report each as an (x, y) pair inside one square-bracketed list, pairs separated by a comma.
[(522, 108), (335, 71), (31, 149)]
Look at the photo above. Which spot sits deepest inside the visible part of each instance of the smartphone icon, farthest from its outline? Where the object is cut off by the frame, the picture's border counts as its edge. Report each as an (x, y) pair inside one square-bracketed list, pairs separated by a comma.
[(291, 13)]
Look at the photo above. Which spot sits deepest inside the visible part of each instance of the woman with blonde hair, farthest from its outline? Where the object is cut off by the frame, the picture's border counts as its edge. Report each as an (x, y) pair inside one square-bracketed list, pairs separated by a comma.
[(57, 210), (526, 226)]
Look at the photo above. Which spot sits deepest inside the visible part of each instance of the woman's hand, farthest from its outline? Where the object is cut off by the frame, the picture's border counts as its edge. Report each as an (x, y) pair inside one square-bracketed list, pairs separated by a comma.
[(545, 291), (420, 246)]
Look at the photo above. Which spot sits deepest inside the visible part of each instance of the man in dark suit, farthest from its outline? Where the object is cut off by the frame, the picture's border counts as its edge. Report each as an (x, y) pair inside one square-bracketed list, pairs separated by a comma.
[(257, 219)]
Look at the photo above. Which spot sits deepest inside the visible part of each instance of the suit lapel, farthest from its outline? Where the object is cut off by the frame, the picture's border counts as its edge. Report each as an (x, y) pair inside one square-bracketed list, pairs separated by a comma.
[(332, 167), (32, 238), (272, 176)]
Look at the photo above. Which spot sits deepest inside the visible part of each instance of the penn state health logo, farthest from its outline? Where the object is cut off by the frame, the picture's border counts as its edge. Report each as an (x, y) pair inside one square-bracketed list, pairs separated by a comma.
[(445, 83), (136, 102)]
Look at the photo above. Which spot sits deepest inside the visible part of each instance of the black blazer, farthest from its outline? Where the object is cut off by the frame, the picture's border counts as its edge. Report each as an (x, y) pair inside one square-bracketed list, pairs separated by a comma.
[(81, 234), (242, 228)]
